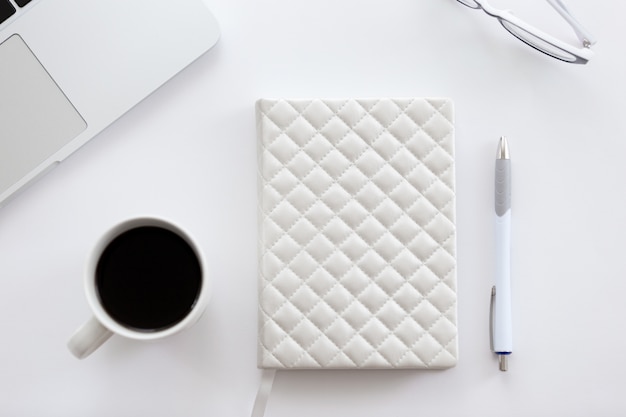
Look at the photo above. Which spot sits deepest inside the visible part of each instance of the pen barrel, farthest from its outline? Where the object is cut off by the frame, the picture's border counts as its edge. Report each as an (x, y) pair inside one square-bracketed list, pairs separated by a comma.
[(502, 320), (502, 330)]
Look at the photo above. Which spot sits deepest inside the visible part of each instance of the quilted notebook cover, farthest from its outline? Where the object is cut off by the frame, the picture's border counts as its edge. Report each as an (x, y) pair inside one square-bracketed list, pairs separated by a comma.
[(357, 241)]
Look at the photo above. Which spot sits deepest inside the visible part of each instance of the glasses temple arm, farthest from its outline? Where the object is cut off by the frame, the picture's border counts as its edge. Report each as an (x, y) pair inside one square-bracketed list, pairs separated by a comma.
[(583, 34)]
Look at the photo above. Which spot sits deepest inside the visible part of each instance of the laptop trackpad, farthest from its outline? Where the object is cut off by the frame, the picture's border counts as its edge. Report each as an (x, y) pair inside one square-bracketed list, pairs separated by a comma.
[(36, 118)]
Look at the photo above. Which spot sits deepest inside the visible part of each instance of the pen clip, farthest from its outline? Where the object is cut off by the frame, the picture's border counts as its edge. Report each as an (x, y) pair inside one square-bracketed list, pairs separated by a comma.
[(491, 308)]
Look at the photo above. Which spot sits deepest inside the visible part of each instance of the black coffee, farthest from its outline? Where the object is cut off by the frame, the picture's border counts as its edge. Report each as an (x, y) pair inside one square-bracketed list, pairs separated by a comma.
[(148, 278)]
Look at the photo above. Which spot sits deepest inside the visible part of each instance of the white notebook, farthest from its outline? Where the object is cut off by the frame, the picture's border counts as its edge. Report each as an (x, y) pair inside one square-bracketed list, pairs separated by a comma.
[(357, 237)]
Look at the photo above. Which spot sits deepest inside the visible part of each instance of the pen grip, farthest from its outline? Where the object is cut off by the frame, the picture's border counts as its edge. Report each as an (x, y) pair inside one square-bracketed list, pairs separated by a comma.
[(503, 186)]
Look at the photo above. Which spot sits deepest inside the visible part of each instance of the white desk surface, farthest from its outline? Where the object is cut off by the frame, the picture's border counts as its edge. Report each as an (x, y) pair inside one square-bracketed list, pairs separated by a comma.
[(188, 152)]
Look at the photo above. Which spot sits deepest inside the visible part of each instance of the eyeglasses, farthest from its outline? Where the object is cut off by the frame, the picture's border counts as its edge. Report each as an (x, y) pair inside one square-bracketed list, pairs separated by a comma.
[(538, 39)]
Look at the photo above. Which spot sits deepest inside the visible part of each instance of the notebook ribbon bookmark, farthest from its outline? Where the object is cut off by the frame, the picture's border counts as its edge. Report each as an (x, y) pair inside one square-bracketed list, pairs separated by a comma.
[(265, 389)]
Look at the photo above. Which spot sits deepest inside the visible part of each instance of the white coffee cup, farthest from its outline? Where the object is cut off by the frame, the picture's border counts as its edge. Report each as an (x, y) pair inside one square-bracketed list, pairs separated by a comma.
[(146, 279)]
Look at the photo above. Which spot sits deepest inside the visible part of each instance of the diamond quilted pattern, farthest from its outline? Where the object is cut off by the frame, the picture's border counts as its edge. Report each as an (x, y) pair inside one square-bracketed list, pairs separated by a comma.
[(357, 234)]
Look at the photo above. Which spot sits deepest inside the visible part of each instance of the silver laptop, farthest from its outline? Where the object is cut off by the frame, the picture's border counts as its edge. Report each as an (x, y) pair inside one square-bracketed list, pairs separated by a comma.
[(69, 68)]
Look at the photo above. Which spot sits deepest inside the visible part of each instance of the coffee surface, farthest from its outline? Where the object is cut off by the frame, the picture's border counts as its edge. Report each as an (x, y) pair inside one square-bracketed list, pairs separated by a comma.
[(148, 278)]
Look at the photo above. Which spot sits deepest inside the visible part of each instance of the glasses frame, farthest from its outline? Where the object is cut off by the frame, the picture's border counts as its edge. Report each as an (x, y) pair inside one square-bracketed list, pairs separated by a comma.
[(581, 55)]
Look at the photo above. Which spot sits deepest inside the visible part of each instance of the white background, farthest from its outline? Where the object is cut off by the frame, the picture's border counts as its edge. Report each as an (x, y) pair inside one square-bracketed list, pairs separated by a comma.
[(188, 153)]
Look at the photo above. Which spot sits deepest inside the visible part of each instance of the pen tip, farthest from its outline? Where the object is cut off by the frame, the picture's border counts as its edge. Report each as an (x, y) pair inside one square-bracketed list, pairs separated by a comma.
[(503, 149)]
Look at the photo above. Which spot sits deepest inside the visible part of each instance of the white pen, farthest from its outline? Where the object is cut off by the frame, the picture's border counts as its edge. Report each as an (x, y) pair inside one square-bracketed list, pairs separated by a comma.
[(500, 326)]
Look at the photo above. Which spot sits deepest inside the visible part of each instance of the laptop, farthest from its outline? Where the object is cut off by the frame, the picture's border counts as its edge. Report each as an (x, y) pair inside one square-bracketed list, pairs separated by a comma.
[(69, 68)]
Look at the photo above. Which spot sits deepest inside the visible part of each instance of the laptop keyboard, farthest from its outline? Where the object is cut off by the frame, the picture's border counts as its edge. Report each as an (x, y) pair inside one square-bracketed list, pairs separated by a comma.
[(7, 9)]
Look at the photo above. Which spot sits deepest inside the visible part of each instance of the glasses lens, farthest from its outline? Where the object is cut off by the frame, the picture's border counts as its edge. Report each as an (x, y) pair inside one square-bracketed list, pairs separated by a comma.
[(538, 43), (470, 3)]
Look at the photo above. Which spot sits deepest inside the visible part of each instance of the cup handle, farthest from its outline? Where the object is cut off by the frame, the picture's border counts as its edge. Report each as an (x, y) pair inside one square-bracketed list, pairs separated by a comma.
[(88, 338)]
